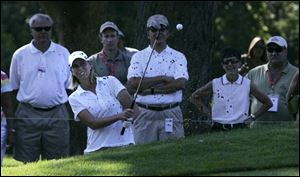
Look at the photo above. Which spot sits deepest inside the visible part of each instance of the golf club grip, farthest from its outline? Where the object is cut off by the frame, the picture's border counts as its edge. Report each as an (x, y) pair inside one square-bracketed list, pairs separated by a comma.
[(131, 107)]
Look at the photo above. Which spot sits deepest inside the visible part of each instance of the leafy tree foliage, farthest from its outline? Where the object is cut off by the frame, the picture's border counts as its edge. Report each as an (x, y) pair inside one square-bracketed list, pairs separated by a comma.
[(208, 27), (238, 22), (14, 29)]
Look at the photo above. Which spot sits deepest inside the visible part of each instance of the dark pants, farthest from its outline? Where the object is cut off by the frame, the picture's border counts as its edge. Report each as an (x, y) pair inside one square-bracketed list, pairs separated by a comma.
[(42, 133)]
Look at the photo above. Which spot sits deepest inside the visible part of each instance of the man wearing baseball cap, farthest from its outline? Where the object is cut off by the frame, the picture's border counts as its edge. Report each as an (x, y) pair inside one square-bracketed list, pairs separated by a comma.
[(110, 60), (274, 78), (160, 93)]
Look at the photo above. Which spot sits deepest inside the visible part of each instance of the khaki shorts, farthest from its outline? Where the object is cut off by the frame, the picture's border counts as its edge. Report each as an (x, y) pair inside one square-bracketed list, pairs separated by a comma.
[(149, 126), (41, 134)]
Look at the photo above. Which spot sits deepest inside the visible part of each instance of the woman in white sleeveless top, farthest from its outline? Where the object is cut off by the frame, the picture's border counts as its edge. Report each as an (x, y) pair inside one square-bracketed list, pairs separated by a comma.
[(230, 96)]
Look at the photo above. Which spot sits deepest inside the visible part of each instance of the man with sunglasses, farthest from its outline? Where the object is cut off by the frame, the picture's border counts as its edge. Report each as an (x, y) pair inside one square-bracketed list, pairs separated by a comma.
[(160, 92), (274, 79), (40, 75), (230, 96)]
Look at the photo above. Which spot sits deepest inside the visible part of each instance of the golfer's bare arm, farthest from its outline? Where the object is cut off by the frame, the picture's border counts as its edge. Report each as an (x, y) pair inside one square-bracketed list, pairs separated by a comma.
[(197, 98), (95, 123), (126, 101)]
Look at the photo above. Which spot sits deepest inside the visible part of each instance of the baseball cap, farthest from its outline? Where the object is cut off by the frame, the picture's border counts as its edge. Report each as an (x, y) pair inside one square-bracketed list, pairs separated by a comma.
[(277, 40), (112, 25), (75, 55), (156, 20)]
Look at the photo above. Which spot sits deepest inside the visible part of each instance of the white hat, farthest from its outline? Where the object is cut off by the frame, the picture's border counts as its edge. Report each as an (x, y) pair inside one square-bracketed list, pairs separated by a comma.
[(277, 40), (157, 19), (75, 55), (111, 25)]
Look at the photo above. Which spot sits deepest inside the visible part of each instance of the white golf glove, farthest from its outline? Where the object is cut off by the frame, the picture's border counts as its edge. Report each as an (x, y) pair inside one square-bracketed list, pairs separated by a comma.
[(127, 123)]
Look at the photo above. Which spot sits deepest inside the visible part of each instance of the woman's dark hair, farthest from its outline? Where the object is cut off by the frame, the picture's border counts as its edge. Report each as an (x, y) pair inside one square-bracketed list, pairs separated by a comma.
[(230, 52)]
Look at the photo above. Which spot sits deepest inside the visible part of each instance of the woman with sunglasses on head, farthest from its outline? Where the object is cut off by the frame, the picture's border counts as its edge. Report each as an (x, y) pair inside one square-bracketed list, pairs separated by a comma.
[(230, 96), (255, 56), (274, 79), (101, 103)]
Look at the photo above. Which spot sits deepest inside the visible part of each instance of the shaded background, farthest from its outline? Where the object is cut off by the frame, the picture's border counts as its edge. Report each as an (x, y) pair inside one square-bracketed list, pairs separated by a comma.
[(208, 27)]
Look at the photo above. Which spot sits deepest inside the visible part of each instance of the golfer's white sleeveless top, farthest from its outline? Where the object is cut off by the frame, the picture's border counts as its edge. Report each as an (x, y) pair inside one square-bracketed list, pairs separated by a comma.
[(230, 100)]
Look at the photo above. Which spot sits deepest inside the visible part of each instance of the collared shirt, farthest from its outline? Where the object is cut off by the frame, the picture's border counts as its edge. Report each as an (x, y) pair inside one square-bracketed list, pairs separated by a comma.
[(167, 63), (41, 78), (5, 87), (104, 66), (230, 100), (102, 104), (129, 51), (259, 76)]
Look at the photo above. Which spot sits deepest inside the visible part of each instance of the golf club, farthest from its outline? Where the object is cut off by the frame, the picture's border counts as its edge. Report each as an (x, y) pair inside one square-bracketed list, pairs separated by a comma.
[(141, 80)]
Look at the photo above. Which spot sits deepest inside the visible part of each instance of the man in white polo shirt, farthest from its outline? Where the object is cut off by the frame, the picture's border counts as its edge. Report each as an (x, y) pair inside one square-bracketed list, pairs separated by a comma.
[(39, 74), (161, 90)]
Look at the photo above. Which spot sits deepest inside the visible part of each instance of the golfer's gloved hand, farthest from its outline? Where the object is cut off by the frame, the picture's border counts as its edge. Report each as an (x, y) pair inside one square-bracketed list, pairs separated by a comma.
[(127, 123)]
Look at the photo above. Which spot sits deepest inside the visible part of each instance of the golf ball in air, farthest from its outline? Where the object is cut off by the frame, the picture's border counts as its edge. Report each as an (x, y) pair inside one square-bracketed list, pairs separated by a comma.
[(179, 27)]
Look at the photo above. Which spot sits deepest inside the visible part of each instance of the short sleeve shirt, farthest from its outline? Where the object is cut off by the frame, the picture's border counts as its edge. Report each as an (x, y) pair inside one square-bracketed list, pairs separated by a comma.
[(41, 78), (167, 63), (103, 104)]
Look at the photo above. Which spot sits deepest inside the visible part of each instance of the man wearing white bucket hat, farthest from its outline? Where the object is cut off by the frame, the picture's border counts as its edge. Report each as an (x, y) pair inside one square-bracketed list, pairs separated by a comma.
[(274, 78)]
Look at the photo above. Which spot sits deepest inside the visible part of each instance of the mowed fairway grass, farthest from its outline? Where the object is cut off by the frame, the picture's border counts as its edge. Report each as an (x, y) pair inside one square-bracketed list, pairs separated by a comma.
[(268, 150)]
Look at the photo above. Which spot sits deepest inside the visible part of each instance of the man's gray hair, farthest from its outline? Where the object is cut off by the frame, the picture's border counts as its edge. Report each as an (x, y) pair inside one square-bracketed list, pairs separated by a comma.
[(39, 16)]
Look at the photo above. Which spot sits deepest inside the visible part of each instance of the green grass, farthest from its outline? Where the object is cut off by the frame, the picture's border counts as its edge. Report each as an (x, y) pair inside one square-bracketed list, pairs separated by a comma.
[(263, 150)]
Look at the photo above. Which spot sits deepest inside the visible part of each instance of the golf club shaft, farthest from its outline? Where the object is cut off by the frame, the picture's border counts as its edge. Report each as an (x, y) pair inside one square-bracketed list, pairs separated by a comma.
[(141, 80)]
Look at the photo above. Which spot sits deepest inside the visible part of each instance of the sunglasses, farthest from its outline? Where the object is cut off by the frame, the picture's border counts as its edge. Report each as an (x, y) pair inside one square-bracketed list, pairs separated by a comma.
[(154, 30), (276, 49), (39, 29), (260, 47), (232, 61)]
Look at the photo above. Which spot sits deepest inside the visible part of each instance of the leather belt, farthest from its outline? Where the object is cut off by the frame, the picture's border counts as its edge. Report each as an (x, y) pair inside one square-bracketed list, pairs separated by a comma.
[(228, 126), (158, 108), (41, 109), (44, 109)]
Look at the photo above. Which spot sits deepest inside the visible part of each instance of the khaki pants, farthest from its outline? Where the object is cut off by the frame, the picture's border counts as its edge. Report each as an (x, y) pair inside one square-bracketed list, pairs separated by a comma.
[(149, 126)]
